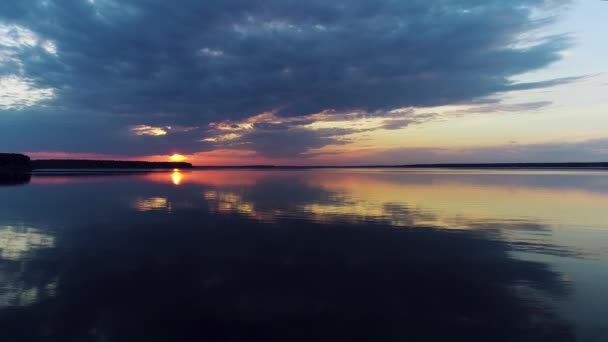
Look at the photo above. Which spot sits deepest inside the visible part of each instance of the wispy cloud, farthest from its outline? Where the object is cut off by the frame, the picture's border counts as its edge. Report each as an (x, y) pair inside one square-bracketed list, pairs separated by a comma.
[(148, 130), (159, 131), (18, 93), (595, 150)]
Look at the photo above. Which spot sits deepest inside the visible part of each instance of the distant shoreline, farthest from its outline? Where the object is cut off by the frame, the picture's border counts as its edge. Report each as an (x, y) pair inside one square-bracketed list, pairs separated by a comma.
[(18, 163), (573, 165), (11, 163), (67, 164)]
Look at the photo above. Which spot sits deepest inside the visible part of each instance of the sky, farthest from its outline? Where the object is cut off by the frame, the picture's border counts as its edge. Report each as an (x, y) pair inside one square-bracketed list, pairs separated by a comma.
[(286, 82)]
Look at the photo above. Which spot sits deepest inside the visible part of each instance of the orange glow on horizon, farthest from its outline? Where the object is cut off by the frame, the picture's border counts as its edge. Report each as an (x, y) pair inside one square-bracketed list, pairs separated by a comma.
[(177, 158)]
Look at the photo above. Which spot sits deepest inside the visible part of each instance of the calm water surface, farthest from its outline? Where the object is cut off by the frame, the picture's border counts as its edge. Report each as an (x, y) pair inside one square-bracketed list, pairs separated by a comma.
[(305, 255)]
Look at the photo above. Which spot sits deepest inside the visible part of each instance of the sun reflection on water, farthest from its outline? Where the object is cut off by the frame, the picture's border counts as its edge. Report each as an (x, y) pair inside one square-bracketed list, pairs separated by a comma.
[(176, 177)]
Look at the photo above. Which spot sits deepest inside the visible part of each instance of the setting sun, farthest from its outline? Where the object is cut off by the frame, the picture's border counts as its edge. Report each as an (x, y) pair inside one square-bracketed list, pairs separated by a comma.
[(177, 158)]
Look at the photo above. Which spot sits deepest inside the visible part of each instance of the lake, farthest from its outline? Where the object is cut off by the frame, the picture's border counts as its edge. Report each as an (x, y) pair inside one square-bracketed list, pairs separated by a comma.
[(305, 255)]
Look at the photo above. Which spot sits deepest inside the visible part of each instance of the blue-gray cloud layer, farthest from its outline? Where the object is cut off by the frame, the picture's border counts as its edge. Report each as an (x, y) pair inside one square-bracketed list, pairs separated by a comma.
[(192, 62)]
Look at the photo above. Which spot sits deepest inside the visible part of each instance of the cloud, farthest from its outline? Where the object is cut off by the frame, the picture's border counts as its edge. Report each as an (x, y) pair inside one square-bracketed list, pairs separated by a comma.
[(293, 142), (281, 143), (16, 39), (152, 64), (595, 150), (18, 93), (239, 58), (16, 90), (271, 134), (396, 124), (510, 107), (148, 130), (278, 137)]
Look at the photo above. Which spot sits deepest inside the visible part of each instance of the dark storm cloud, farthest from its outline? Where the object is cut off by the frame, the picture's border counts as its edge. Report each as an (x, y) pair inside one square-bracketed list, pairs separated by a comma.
[(159, 62)]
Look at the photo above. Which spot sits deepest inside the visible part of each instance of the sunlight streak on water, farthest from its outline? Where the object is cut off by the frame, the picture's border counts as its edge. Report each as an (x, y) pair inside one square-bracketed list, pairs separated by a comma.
[(176, 177)]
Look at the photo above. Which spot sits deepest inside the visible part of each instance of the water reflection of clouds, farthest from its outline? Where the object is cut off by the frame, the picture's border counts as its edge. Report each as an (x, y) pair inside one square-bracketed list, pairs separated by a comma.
[(18, 245), (458, 199), (14, 292), (531, 216), (226, 202), (210, 248), (151, 203), (360, 282), (524, 234), (17, 241), (450, 205)]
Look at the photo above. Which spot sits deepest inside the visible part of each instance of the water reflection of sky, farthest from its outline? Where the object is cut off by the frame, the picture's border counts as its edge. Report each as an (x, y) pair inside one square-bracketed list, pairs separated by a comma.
[(271, 244), (540, 203)]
